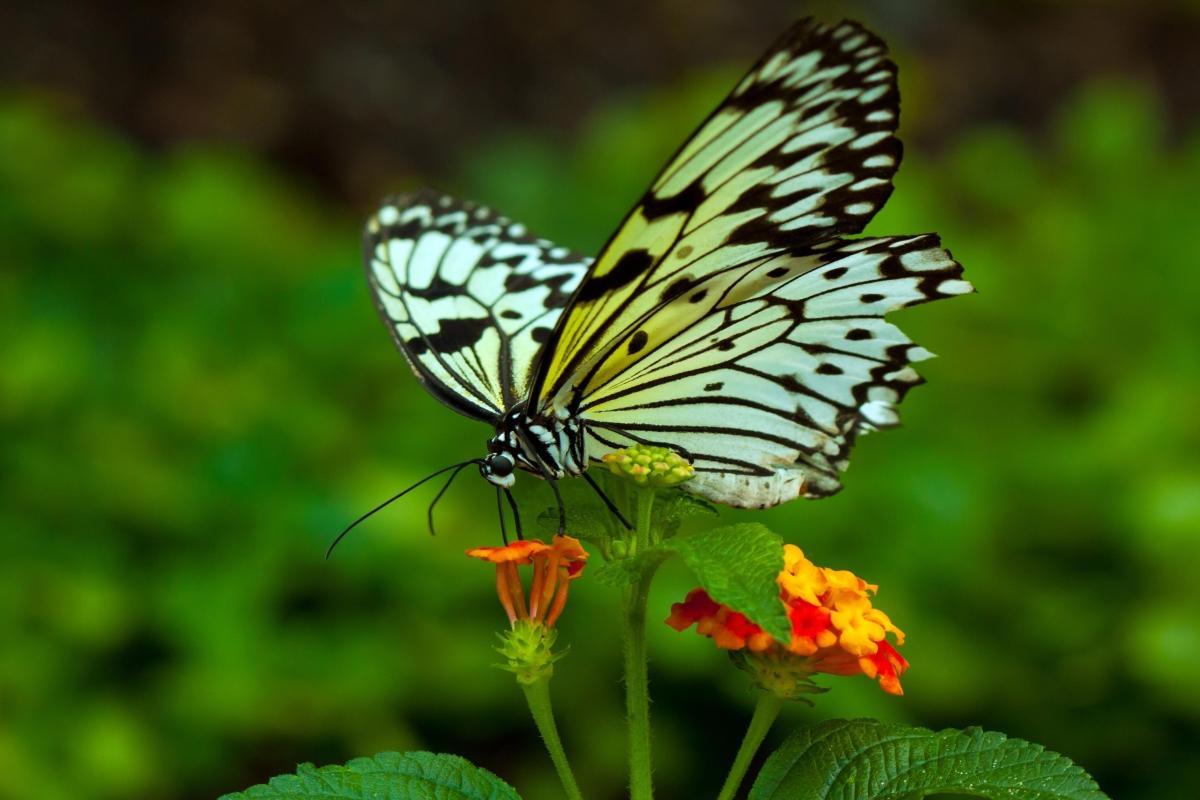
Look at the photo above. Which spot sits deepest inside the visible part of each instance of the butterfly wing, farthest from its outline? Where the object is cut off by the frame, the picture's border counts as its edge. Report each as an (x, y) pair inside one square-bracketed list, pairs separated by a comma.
[(469, 296), (788, 362), (801, 150)]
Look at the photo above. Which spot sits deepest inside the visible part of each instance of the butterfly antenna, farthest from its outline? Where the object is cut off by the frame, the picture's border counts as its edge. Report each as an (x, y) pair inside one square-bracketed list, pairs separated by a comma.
[(607, 501), (512, 503), (445, 488), (391, 500), (500, 513)]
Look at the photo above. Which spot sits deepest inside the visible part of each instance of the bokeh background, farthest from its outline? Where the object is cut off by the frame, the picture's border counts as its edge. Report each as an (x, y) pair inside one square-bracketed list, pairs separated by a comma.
[(195, 393)]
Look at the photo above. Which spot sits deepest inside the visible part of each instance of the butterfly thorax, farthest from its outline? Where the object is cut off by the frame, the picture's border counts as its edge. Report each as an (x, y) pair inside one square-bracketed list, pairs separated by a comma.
[(547, 446)]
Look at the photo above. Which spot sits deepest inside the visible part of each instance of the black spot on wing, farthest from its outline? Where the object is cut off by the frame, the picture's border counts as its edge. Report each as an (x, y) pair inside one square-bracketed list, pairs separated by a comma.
[(558, 297), (637, 342), (676, 289), (454, 334), (437, 288), (628, 268), (686, 201)]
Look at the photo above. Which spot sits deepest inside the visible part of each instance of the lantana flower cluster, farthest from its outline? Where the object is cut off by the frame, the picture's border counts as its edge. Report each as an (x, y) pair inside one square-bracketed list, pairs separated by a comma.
[(835, 628)]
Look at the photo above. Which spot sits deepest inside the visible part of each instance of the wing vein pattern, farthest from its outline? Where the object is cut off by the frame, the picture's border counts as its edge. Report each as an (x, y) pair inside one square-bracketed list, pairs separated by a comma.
[(729, 316), (735, 315), (468, 295)]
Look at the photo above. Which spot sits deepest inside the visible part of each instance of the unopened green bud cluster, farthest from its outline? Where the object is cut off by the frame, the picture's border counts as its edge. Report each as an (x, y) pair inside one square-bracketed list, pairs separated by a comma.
[(528, 649), (781, 674), (656, 467)]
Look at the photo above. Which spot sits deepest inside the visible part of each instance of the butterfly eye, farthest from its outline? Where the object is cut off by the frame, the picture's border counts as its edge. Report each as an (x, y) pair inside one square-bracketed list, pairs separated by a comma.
[(501, 465)]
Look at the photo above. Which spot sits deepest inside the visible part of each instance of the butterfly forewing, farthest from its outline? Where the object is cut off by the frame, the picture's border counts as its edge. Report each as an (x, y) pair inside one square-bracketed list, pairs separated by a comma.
[(468, 295), (801, 150)]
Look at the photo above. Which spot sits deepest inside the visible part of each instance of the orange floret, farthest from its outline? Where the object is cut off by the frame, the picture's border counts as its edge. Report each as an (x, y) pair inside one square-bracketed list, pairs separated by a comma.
[(555, 565)]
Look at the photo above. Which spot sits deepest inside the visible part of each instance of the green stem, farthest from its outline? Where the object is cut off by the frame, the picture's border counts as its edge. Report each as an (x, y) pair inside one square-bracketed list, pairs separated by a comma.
[(637, 690), (538, 696), (765, 712)]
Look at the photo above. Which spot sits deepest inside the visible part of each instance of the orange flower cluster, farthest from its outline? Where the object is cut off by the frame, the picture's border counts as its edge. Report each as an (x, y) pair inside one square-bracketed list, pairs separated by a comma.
[(555, 565), (835, 629)]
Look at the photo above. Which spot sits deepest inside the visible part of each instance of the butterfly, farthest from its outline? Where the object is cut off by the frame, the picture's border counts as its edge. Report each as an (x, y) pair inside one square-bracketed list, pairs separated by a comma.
[(729, 317)]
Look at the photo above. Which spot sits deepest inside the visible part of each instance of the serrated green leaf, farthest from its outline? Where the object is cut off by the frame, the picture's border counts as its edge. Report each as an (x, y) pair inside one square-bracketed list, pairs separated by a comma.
[(396, 776), (738, 565), (625, 571), (868, 760), (673, 506)]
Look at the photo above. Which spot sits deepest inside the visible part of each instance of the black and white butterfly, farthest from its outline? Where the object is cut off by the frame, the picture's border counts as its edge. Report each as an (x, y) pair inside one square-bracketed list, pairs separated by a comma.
[(727, 318)]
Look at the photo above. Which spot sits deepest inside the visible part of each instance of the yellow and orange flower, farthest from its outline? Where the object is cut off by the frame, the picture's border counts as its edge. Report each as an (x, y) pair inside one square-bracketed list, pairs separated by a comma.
[(835, 628), (555, 565)]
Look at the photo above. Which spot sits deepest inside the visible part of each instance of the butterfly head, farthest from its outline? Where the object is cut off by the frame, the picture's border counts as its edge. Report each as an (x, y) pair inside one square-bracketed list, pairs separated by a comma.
[(499, 467)]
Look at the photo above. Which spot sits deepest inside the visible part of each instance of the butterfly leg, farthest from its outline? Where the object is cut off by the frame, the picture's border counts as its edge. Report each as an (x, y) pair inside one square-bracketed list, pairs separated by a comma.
[(562, 509), (500, 513), (607, 501), (512, 503)]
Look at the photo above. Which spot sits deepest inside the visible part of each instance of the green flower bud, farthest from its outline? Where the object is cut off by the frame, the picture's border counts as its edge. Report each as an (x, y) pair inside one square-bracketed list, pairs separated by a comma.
[(780, 673), (646, 465), (529, 651)]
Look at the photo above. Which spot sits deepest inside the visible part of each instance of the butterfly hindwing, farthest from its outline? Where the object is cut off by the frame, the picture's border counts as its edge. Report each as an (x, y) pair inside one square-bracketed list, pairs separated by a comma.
[(468, 295), (802, 149), (789, 362)]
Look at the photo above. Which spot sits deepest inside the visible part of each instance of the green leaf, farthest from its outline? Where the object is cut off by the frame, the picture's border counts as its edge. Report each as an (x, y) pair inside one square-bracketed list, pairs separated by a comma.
[(672, 506), (624, 571), (737, 565), (584, 522), (396, 776), (868, 760)]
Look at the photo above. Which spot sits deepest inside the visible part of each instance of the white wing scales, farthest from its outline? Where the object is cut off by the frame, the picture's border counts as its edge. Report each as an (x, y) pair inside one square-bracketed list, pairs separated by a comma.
[(803, 149), (468, 295), (768, 390)]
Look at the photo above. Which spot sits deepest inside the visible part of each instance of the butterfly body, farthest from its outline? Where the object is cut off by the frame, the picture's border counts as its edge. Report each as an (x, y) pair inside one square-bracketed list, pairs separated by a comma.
[(546, 446), (732, 317)]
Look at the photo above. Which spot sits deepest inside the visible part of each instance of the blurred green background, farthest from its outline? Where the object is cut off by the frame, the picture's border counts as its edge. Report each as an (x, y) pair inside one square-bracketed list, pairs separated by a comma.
[(196, 395)]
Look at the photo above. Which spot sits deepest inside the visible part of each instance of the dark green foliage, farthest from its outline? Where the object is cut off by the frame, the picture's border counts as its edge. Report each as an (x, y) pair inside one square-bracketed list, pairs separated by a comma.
[(868, 760), (195, 396), (396, 776)]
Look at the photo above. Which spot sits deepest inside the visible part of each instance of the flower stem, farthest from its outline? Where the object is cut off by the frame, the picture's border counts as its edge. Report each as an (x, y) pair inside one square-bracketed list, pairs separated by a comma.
[(645, 518), (637, 691), (538, 696), (765, 712)]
